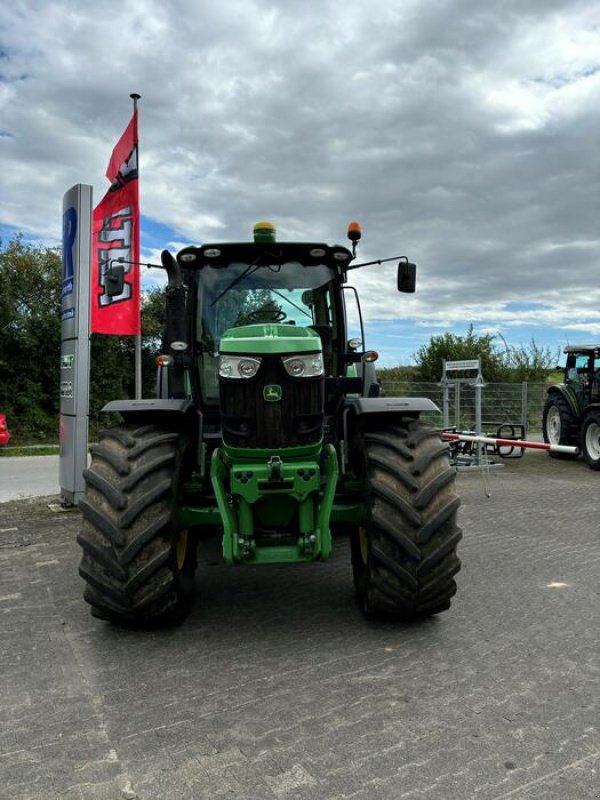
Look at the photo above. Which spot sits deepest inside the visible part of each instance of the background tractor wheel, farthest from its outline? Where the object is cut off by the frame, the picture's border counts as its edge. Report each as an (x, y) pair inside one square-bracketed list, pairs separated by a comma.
[(139, 568), (590, 439), (404, 559), (559, 424)]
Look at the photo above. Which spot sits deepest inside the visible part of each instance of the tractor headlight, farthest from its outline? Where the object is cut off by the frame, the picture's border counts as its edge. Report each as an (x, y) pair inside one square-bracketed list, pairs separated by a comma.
[(310, 366), (238, 367)]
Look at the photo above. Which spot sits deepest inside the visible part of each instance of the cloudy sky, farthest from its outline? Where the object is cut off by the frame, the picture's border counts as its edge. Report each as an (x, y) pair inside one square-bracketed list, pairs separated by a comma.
[(461, 133)]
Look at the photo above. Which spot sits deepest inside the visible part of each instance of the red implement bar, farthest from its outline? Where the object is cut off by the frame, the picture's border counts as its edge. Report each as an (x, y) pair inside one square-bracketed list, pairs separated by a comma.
[(555, 448)]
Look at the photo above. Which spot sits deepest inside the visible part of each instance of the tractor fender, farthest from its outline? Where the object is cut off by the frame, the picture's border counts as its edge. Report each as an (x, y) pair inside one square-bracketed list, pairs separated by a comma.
[(131, 410), (562, 390), (180, 406), (390, 405), (376, 413), (399, 406)]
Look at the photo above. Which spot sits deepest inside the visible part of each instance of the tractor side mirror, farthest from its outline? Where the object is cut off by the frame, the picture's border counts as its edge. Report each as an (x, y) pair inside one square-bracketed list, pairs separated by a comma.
[(407, 277), (115, 280)]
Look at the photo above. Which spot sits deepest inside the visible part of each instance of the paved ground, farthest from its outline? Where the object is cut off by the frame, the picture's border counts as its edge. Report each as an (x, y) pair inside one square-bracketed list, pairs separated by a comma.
[(28, 476), (276, 687)]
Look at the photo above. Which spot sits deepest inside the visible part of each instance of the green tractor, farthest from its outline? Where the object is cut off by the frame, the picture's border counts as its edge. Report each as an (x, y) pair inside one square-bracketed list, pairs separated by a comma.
[(269, 429), (572, 409)]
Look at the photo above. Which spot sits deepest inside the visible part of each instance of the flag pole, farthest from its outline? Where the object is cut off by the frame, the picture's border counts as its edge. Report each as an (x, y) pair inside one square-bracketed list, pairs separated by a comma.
[(138, 339)]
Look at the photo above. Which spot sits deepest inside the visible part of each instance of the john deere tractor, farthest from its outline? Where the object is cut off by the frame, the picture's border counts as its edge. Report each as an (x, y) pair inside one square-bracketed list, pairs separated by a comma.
[(572, 409), (268, 430)]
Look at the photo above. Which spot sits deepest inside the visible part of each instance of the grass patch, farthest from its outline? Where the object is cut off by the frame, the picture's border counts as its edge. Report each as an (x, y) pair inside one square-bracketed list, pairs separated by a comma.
[(31, 450)]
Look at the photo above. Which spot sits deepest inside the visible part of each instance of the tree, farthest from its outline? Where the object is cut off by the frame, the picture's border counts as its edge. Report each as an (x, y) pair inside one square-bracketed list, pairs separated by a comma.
[(30, 338), (531, 362), (500, 362), (398, 373), (451, 347), (30, 335), (112, 359)]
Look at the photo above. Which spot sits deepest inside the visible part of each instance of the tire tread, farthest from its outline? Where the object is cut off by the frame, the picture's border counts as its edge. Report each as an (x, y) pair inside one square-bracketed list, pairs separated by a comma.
[(129, 530), (412, 529)]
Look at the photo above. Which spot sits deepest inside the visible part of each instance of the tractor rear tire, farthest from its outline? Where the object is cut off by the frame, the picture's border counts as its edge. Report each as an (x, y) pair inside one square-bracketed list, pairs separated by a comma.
[(404, 560), (559, 425), (590, 439), (138, 565)]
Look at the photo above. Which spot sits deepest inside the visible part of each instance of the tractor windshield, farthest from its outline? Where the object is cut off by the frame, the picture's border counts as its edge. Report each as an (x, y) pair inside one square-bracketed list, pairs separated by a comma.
[(243, 294)]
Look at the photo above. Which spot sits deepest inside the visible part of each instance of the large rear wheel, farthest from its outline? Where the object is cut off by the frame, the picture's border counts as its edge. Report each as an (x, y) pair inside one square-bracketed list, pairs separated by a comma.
[(559, 424), (137, 564), (404, 559)]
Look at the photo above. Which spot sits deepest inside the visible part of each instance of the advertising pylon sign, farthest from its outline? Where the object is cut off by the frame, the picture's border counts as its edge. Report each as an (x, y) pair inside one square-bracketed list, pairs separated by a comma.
[(75, 345)]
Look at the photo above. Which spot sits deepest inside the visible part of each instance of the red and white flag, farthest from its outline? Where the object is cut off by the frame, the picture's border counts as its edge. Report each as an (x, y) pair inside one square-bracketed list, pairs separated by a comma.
[(116, 235)]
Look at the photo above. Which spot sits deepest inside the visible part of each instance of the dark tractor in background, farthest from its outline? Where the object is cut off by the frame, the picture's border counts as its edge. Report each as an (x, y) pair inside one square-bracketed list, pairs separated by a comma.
[(268, 430), (572, 409)]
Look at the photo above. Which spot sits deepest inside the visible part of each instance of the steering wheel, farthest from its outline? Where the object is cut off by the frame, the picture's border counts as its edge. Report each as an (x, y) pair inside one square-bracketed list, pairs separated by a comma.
[(271, 314)]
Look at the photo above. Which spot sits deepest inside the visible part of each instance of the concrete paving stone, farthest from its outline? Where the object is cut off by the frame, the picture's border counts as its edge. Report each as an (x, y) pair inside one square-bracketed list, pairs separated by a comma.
[(227, 773), (188, 751), (108, 790)]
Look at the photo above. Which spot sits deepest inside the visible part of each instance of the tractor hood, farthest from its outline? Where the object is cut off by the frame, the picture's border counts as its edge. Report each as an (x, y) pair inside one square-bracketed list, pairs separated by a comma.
[(267, 338)]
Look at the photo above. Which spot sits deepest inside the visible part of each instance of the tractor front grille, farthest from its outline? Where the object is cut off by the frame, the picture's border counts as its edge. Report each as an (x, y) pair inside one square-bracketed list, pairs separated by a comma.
[(250, 420)]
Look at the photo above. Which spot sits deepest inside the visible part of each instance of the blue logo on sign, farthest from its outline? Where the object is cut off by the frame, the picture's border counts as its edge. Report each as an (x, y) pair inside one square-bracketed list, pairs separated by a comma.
[(69, 235), (68, 313)]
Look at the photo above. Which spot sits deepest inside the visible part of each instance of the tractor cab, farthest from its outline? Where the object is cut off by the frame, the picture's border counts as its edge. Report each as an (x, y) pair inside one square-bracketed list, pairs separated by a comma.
[(292, 290), (582, 374), (296, 290)]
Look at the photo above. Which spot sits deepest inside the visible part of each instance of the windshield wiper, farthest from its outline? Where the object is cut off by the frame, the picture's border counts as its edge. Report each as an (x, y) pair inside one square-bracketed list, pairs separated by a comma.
[(291, 302), (249, 270)]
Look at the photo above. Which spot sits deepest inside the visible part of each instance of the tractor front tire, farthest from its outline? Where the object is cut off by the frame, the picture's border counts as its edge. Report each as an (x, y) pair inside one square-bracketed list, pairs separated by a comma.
[(404, 559), (137, 564), (559, 424), (590, 439)]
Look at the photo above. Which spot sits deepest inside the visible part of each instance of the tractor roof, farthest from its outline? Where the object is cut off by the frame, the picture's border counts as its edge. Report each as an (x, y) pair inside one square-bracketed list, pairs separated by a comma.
[(582, 348), (309, 253)]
